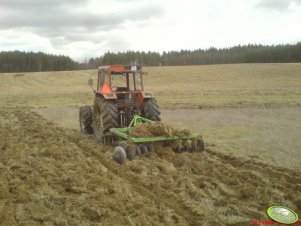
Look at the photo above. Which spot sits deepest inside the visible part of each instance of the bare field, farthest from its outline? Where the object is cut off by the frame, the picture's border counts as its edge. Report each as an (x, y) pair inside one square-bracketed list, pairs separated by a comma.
[(249, 116)]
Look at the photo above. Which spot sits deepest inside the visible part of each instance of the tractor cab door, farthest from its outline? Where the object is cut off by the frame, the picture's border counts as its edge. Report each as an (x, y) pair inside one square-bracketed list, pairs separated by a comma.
[(104, 78), (134, 81), (138, 82)]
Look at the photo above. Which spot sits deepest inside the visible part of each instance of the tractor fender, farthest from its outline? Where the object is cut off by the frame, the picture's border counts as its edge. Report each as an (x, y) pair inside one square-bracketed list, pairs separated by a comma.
[(147, 95), (144, 96)]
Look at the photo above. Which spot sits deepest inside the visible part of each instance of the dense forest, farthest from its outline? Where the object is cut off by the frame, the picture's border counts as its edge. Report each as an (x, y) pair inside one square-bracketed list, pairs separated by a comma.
[(17, 61)]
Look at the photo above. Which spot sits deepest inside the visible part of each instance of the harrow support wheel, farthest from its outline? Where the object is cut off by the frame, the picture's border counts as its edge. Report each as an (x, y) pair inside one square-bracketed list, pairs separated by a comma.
[(119, 155)]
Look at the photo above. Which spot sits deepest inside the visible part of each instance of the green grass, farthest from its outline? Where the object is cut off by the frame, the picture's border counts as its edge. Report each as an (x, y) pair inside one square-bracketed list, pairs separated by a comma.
[(270, 135)]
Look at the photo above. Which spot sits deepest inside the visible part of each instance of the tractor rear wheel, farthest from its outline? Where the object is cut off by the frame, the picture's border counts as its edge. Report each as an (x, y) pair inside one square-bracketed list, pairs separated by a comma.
[(105, 117), (85, 119), (150, 109)]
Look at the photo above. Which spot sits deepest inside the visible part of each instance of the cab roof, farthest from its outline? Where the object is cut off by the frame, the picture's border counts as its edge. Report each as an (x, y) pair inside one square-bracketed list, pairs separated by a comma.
[(118, 69)]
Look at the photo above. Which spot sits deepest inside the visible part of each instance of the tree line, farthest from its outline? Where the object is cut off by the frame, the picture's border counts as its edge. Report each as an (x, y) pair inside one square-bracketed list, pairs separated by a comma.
[(237, 54), (17, 61)]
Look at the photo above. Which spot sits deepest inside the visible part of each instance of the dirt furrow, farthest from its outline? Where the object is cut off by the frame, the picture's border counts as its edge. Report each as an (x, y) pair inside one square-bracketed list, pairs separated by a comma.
[(64, 179), (64, 171), (150, 191)]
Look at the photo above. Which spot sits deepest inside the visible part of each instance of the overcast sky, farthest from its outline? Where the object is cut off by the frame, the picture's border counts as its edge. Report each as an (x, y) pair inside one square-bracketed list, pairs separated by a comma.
[(86, 28)]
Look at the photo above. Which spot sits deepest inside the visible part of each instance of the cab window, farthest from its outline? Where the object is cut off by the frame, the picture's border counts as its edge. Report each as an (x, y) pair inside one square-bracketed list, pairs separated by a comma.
[(138, 81)]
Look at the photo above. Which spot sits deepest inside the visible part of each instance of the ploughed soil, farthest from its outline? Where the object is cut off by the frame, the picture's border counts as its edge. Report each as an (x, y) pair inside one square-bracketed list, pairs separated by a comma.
[(157, 129), (51, 175)]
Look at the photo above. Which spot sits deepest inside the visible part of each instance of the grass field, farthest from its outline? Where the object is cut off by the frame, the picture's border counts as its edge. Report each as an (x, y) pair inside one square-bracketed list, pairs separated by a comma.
[(213, 86), (248, 114)]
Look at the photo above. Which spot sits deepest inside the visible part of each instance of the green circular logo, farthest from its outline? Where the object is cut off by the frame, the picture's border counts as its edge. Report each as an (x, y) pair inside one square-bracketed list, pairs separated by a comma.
[(282, 214)]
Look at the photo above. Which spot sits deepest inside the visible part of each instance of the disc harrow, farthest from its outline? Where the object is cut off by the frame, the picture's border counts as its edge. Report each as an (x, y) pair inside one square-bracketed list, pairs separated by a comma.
[(130, 147)]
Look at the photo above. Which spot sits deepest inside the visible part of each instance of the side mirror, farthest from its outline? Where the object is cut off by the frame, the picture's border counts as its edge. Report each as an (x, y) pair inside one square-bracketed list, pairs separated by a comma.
[(90, 82)]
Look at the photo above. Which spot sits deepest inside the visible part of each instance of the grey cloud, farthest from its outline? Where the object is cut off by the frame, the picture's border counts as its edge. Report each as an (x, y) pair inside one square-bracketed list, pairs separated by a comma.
[(56, 19), (60, 15), (280, 5), (67, 38), (67, 21), (31, 4)]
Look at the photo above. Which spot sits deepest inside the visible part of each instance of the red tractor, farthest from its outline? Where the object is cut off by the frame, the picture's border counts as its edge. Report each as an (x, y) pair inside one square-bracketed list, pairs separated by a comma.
[(119, 96)]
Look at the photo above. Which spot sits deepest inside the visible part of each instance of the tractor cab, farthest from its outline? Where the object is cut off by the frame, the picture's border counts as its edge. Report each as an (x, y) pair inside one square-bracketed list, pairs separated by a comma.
[(121, 87), (122, 83), (120, 78)]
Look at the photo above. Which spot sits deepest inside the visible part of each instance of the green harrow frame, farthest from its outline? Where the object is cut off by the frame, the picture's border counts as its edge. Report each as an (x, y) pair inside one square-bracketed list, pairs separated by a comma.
[(136, 146), (124, 133)]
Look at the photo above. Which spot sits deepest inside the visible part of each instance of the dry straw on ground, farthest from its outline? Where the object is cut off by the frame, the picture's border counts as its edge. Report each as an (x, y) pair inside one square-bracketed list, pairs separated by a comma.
[(51, 175)]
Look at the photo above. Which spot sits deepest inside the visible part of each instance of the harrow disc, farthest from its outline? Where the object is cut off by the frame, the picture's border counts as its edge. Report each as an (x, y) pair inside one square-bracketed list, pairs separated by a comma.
[(138, 151), (131, 152), (150, 147), (200, 145), (143, 149)]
